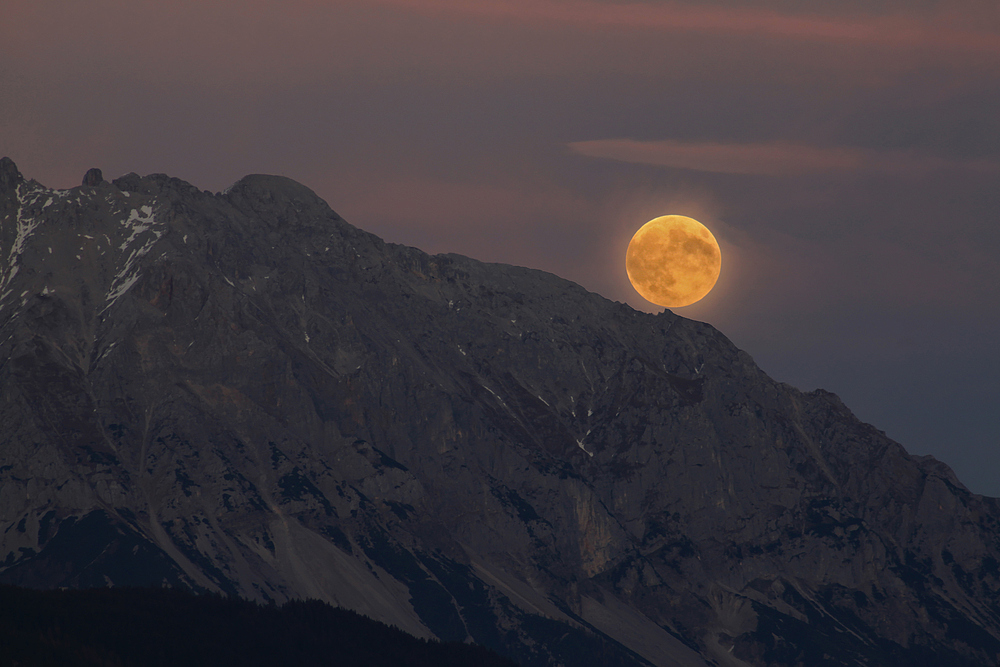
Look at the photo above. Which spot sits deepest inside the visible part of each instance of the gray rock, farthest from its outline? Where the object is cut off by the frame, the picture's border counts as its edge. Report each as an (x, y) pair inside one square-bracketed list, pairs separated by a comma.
[(10, 177), (243, 393), (93, 177)]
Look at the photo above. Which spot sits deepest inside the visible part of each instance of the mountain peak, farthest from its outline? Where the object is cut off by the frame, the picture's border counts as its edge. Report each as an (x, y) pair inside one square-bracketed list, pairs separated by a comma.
[(93, 177), (10, 177), (274, 187), (281, 200)]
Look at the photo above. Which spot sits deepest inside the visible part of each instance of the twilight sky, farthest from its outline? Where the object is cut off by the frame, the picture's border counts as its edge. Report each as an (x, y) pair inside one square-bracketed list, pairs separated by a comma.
[(846, 154)]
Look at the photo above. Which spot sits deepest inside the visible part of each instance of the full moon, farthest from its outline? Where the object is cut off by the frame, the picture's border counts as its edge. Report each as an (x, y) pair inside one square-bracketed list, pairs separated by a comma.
[(673, 261)]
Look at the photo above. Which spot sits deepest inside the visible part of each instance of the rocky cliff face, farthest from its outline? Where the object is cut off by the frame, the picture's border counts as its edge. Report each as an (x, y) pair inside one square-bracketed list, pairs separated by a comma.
[(240, 392)]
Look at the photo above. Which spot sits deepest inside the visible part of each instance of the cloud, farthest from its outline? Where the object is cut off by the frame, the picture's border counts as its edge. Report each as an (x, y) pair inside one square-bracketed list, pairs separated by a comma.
[(894, 30), (249, 45), (770, 159)]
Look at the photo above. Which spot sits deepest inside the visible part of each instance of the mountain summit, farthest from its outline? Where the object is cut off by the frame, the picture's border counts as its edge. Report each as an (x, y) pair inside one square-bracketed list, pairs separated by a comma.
[(240, 392)]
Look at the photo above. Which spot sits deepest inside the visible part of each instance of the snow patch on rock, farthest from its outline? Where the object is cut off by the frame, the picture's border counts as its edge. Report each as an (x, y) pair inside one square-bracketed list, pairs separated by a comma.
[(28, 195), (144, 231)]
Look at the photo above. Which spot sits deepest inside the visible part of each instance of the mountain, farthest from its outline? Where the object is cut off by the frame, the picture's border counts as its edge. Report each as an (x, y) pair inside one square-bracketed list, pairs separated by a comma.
[(241, 393)]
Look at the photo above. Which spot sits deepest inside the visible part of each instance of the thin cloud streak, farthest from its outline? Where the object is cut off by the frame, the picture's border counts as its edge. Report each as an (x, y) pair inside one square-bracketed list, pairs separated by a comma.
[(770, 159), (896, 31)]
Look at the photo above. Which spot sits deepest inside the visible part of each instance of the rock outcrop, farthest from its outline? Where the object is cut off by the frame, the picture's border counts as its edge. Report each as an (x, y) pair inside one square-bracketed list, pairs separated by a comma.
[(240, 392)]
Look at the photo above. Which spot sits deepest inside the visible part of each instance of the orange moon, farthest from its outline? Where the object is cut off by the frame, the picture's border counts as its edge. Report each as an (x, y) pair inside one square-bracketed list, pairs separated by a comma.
[(673, 261)]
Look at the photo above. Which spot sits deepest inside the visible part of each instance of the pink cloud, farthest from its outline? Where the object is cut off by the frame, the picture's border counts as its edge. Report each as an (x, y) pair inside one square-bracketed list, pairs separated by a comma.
[(893, 30), (769, 159), (255, 43)]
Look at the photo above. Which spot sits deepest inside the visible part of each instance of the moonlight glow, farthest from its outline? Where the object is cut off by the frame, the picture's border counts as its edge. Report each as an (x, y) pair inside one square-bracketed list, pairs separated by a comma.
[(673, 261)]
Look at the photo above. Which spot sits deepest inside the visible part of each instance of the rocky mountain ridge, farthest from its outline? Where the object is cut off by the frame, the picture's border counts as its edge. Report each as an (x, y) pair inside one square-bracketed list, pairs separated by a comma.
[(240, 392)]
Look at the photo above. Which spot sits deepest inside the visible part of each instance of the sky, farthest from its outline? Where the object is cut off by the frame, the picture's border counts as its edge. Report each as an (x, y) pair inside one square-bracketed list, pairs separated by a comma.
[(845, 153)]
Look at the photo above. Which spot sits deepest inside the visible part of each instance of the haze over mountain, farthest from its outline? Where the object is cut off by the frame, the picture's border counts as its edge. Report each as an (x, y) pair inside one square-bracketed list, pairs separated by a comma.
[(240, 392)]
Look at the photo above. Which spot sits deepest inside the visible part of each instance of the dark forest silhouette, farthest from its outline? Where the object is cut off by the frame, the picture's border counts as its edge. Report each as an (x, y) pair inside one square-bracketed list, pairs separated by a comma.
[(124, 627)]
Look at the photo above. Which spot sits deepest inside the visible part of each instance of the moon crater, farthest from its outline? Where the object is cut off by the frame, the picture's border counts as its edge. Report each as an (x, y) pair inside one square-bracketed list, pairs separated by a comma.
[(673, 261)]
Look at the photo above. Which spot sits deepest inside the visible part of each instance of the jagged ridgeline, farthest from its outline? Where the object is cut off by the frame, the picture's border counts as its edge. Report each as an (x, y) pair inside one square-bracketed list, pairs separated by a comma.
[(241, 393)]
